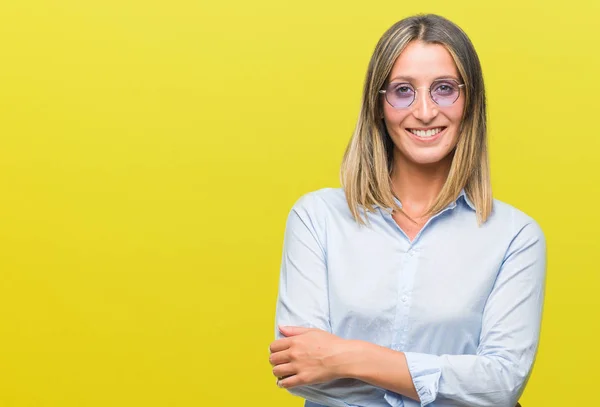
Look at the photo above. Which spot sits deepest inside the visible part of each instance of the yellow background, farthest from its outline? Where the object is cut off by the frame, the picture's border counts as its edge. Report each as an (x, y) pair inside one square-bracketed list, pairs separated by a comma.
[(151, 150)]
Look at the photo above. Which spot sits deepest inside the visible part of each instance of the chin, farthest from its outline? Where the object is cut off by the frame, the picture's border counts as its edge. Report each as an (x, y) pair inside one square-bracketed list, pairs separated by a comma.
[(430, 159)]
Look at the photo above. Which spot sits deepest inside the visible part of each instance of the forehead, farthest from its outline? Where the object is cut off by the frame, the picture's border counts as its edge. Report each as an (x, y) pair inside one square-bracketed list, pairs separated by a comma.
[(424, 62)]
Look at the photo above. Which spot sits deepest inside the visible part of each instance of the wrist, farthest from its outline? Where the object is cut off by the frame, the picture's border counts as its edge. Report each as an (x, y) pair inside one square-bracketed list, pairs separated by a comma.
[(348, 358)]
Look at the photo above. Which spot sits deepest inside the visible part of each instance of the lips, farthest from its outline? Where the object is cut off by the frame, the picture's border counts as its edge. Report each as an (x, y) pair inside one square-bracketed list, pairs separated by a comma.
[(428, 136), (426, 133)]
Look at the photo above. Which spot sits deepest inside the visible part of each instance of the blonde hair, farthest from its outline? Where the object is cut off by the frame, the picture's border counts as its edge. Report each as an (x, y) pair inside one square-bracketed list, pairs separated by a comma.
[(368, 159)]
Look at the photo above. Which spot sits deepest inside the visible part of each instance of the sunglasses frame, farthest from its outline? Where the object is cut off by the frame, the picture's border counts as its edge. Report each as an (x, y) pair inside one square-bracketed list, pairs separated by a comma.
[(460, 85)]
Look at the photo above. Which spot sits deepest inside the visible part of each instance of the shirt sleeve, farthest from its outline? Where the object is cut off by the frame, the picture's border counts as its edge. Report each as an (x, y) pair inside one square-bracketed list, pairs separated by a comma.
[(496, 375), (303, 298), (303, 295)]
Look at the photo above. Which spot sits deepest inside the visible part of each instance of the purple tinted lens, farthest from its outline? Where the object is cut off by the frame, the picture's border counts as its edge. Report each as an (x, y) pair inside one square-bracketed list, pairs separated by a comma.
[(400, 94), (444, 93)]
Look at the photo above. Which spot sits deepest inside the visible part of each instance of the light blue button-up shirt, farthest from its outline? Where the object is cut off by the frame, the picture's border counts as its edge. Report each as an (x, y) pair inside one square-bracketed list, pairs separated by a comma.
[(462, 301)]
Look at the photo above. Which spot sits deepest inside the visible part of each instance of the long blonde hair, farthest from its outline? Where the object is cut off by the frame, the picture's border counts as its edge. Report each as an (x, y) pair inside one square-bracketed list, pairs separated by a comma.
[(368, 160)]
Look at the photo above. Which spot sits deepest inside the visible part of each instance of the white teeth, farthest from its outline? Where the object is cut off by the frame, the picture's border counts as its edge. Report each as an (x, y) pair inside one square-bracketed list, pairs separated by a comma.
[(425, 134)]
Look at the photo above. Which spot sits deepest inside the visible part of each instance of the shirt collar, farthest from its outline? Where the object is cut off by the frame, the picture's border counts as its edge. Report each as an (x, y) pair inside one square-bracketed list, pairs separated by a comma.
[(461, 196), (464, 196)]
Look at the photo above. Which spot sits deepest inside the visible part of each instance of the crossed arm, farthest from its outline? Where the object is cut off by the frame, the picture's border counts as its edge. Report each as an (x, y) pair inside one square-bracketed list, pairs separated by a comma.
[(495, 376), (310, 356)]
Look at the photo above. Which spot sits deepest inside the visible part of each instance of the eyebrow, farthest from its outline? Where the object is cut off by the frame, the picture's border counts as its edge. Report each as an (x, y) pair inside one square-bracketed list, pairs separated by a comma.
[(411, 79)]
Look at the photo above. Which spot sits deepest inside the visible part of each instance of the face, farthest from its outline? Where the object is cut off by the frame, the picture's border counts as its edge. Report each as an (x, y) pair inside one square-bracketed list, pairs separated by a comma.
[(424, 133)]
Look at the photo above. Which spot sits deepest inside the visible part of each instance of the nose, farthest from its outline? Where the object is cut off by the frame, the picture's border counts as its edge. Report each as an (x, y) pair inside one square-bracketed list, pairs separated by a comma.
[(424, 108)]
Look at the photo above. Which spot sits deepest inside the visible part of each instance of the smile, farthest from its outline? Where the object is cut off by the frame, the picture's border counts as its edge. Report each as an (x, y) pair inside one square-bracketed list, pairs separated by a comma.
[(426, 133)]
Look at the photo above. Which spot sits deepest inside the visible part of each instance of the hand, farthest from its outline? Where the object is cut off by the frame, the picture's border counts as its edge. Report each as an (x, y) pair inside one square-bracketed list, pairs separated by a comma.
[(306, 356)]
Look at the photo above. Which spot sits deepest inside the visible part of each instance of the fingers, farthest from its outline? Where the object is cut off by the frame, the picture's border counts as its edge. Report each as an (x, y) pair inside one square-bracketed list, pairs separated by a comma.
[(294, 330), (289, 382), (284, 370), (279, 345), (279, 358)]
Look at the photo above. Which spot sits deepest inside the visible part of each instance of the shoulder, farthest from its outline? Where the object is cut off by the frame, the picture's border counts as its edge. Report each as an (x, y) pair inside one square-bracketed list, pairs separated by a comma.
[(521, 226), (313, 211), (321, 208), (320, 202)]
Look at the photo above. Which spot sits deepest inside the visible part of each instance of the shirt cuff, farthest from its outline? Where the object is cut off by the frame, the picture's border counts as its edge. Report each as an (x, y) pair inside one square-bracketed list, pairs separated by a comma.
[(393, 399), (425, 371)]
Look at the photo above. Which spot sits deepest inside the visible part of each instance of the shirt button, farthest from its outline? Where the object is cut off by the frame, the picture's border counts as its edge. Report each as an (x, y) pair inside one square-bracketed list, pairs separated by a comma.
[(411, 253), (404, 298)]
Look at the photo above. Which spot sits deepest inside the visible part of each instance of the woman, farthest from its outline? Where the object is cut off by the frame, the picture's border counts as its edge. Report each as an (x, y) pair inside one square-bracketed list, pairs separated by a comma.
[(411, 285)]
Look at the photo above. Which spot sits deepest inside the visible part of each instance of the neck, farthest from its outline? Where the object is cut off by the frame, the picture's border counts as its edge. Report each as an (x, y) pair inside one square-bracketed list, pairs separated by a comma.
[(417, 186)]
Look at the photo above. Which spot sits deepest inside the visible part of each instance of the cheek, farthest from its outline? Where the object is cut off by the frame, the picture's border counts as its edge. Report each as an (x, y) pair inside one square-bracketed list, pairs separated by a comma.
[(388, 114), (451, 142), (393, 117), (455, 116), (457, 112)]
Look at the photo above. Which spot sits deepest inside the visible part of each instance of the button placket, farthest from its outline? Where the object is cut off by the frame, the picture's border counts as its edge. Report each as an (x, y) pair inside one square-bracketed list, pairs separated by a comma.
[(405, 289)]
